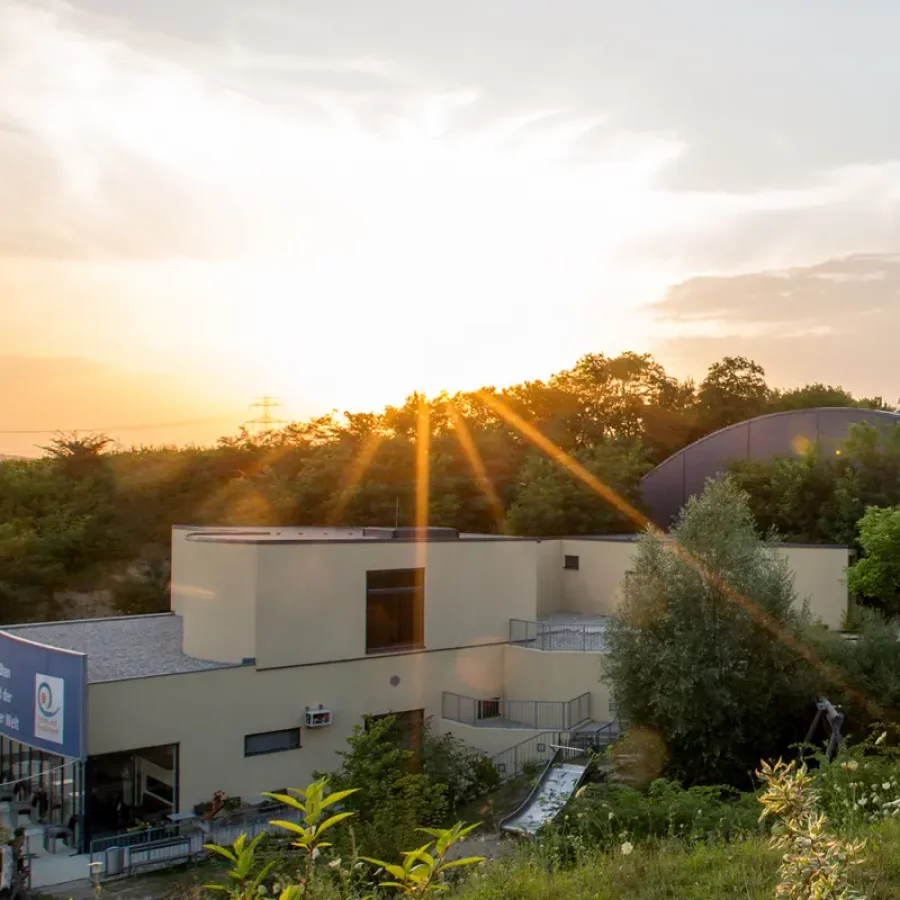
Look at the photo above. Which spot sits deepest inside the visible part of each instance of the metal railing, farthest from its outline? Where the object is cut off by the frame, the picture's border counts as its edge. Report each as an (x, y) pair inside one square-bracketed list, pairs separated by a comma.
[(532, 753), (541, 715), (170, 844), (538, 750), (558, 635)]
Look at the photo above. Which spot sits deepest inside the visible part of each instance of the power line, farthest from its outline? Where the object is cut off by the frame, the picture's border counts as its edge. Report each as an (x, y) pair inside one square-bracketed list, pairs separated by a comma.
[(183, 423), (264, 420)]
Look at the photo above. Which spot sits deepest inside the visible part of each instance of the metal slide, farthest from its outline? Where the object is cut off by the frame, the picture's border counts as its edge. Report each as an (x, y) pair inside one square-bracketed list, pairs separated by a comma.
[(558, 782)]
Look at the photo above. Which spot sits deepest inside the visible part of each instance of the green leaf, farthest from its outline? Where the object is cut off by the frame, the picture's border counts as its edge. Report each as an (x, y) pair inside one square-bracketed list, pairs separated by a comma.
[(337, 796), (290, 826), (222, 851), (390, 868), (328, 823), (467, 861), (287, 800)]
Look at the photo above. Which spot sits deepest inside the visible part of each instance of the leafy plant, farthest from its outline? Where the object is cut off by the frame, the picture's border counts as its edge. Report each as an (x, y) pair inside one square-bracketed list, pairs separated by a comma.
[(244, 879), (312, 802), (396, 793), (815, 865), (422, 870)]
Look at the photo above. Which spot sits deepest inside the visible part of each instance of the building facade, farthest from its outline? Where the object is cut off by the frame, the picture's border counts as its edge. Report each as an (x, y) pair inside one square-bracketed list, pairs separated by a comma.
[(280, 641)]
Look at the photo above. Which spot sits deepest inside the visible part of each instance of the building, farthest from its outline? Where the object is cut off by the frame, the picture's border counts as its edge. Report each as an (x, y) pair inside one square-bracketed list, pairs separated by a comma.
[(668, 486), (280, 641)]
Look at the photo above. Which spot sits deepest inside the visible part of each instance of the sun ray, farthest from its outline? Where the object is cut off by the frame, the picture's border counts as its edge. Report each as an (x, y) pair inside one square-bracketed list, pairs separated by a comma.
[(763, 618), (423, 453), (477, 464), (356, 471)]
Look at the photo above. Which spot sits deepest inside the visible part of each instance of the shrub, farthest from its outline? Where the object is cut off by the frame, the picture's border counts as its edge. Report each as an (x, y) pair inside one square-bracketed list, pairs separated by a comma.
[(862, 785), (702, 655), (394, 796), (606, 814), (815, 864)]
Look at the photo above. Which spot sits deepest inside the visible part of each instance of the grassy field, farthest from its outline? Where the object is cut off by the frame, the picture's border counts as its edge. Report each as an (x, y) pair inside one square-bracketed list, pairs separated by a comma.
[(745, 869)]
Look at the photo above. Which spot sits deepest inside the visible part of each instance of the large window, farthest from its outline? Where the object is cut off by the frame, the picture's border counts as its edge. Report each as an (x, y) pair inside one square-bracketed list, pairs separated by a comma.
[(395, 609), (271, 742)]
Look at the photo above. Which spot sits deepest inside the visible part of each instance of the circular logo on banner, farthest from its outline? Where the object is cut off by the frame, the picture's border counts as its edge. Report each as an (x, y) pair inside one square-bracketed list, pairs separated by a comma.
[(45, 700)]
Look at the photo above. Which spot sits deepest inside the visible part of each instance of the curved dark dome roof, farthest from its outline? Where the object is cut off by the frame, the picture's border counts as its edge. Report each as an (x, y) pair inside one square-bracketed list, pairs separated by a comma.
[(671, 484)]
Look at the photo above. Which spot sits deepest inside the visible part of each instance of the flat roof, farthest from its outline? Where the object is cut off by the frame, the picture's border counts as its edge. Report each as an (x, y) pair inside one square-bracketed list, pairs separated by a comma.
[(321, 534), (121, 648)]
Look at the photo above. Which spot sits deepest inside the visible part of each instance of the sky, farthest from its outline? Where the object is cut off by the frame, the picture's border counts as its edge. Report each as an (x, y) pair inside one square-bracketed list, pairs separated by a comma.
[(341, 202)]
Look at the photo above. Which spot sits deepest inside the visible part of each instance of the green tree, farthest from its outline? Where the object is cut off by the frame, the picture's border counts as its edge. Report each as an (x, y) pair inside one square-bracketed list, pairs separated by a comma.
[(554, 501), (810, 396), (395, 796), (876, 576), (700, 654), (734, 389)]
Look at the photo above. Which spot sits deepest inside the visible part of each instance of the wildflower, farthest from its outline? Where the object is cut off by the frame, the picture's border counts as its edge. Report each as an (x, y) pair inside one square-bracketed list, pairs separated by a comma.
[(881, 738), (862, 801), (610, 817), (627, 848), (886, 786), (852, 765), (335, 863)]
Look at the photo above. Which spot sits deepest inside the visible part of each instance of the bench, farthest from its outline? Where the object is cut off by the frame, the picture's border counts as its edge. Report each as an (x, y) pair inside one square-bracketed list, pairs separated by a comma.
[(164, 851)]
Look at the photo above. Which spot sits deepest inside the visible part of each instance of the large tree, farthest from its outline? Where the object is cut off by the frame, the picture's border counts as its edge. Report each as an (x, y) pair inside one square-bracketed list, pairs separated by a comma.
[(552, 500), (700, 655), (734, 389), (876, 577)]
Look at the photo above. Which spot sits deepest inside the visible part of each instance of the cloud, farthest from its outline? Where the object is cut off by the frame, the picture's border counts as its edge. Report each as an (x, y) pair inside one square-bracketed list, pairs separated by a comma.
[(833, 322)]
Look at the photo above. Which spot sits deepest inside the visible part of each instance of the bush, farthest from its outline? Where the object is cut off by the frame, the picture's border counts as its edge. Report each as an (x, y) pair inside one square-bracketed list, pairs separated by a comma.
[(394, 796), (862, 785), (607, 814), (702, 656)]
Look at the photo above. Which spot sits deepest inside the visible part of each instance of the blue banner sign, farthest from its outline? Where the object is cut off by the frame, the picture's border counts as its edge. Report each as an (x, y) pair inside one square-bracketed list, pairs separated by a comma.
[(43, 696)]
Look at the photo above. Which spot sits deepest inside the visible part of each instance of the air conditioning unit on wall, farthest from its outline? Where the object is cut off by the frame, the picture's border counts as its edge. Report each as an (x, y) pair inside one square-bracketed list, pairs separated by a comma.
[(318, 717)]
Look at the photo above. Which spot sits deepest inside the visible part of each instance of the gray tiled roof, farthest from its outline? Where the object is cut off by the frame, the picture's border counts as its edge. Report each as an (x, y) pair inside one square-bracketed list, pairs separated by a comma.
[(121, 648)]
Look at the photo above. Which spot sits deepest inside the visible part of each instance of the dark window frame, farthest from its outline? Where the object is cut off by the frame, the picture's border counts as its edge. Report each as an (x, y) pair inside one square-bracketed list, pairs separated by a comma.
[(387, 588), (572, 563), (258, 734)]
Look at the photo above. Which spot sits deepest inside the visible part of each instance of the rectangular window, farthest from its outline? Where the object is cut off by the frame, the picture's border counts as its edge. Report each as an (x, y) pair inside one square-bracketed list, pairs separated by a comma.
[(395, 609), (272, 742), (571, 562), (488, 709)]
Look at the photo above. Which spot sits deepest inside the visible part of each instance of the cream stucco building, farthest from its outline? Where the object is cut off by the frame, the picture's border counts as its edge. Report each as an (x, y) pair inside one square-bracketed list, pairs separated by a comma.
[(280, 641)]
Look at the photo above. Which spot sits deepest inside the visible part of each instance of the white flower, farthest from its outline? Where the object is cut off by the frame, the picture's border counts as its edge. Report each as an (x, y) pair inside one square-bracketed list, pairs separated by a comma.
[(881, 738), (627, 848), (862, 801), (334, 863), (886, 786), (610, 817)]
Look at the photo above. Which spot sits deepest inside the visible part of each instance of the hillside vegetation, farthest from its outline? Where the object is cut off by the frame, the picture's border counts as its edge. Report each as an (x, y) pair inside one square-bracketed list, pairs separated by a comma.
[(91, 517)]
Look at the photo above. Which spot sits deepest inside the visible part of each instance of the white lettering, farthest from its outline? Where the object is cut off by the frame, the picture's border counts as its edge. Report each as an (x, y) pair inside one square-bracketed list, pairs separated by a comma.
[(4, 672), (5, 696), (11, 722)]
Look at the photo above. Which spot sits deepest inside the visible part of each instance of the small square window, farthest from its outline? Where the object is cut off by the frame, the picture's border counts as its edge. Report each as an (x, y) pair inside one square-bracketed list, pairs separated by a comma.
[(571, 562)]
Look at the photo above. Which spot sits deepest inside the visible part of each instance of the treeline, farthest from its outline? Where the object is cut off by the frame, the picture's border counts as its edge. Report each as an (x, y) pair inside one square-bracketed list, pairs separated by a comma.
[(88, 517)]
